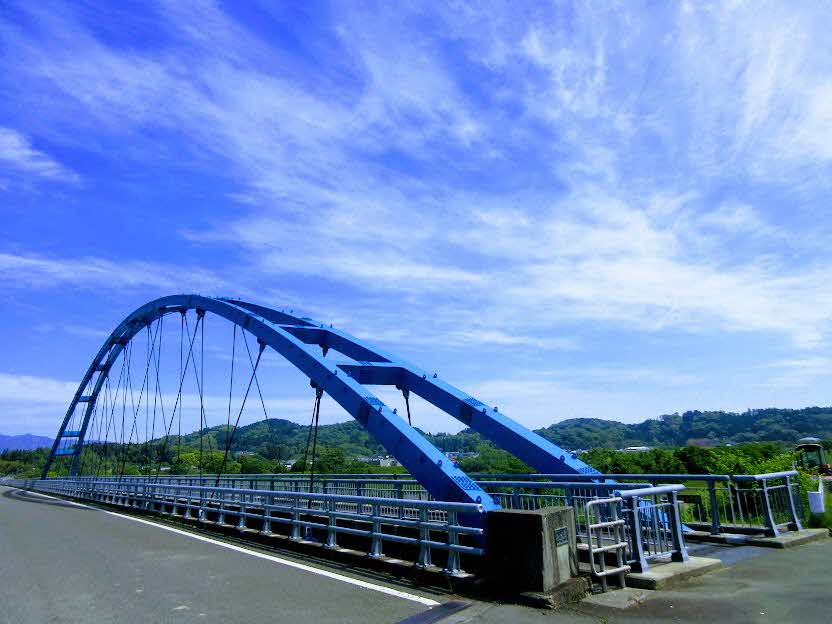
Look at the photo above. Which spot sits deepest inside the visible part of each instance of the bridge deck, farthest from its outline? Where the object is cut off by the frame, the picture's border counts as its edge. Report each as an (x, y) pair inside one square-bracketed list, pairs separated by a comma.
[(65, 562), (61, 562)]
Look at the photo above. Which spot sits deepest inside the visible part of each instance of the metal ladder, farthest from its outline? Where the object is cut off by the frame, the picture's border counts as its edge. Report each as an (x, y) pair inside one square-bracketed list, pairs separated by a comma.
[(606, 535)]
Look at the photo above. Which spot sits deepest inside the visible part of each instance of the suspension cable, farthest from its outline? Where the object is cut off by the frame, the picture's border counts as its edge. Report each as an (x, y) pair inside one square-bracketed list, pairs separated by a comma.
[(230, 439), (147, 403), (181, 376), (202, 415), (406, 394), (309, 435), (137, 406), (128, 348), (157, 394), (200, 385), (313, 424), (231, 382), (318, 394), (178, 400), (262, 403)]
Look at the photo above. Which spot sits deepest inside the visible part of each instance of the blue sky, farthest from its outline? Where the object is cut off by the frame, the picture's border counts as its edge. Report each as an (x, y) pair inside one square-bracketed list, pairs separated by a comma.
[(567, 210)]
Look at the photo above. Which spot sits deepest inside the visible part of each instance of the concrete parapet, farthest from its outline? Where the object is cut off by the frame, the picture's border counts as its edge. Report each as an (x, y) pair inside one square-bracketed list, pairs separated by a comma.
[(531, 550)]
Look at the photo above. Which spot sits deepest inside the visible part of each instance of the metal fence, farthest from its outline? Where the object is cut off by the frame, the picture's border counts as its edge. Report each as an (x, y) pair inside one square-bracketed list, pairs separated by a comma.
[(625, 521), (650, 534), (424, 526), (771, 499), (717, 504)]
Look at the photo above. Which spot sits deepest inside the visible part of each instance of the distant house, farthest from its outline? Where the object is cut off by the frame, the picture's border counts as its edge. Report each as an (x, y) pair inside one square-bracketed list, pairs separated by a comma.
[(383, 461), (637, 449), (455, 456)]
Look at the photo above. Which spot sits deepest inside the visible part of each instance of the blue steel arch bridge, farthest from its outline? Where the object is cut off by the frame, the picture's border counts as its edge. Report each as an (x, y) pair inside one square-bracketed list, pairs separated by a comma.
[(111, 398), (135, 388)]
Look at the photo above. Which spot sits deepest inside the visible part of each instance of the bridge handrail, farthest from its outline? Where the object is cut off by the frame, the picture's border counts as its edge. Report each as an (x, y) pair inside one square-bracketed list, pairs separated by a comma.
[(393, 502), (426, 518), (403, 477), (650, 491), (766, 476), (654, 525)]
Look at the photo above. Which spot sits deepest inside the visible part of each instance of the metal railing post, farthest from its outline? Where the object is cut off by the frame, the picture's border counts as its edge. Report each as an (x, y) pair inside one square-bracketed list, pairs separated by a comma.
[(680, 551), (375, 533), (267, 514), (771, 525), (295, 533), (638, 562), (452, 566), (424, 539), (332, 526), (241, 515), (715, 521), (795, 518)]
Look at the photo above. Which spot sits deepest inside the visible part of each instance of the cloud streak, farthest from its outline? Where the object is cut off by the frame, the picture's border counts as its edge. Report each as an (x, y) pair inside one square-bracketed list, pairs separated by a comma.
[(533, 179), (18, 155)]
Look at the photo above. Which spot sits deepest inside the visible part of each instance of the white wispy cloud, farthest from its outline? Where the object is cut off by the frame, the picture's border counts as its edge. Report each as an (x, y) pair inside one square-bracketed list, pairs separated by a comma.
[(510, 175), (800, 372), (17, 154), (323, 206), (30, 271)]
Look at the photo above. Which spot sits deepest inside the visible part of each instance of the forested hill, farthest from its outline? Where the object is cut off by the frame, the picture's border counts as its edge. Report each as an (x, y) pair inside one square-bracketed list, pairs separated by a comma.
[(288, 439), (284, 439), (694, 428)]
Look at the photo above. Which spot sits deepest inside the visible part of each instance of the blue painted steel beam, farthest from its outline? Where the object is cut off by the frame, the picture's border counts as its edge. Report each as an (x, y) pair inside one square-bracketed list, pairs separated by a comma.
[(532, 448)]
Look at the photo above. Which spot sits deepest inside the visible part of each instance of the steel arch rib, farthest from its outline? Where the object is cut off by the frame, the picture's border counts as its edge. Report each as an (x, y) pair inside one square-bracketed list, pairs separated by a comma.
[(425, 462), (345, 382), (377, 367)]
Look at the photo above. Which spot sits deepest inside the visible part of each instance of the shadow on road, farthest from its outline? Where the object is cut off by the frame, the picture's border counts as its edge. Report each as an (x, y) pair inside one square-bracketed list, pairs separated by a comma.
[(29, 497)]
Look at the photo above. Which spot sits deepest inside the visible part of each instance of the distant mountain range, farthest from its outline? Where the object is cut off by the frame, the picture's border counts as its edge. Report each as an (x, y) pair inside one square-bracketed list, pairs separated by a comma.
[(288, 439), (285, 439), (25, 442), (695, 428)]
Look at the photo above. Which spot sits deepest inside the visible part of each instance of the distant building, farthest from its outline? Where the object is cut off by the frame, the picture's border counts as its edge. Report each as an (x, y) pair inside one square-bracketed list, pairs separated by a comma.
[(637, 449), (455, 456), (383, 461)]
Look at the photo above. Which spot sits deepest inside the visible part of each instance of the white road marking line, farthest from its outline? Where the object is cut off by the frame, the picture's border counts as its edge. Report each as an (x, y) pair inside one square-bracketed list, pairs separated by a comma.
[(292, 564)]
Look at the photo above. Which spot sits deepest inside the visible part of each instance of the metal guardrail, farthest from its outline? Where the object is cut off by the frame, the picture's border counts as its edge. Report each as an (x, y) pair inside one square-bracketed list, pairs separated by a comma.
[(771, 498), (649, 517), (717, 504), (431, 525), (654, 528), (650, 533)]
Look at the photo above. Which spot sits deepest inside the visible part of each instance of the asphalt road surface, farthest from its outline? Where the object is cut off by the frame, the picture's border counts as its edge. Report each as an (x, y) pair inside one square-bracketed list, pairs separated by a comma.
[(62, 562)]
